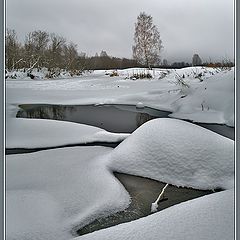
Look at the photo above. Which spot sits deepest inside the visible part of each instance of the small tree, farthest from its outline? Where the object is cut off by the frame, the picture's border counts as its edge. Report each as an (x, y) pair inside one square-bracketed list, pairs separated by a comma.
[(196, 60), (147, 41)]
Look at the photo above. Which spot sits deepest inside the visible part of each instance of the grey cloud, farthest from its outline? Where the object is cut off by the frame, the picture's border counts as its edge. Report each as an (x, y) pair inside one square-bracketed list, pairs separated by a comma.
[(186, 26)]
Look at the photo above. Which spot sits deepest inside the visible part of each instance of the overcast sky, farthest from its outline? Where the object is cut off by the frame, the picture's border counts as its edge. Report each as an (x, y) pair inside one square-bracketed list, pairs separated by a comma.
[(186, 26)]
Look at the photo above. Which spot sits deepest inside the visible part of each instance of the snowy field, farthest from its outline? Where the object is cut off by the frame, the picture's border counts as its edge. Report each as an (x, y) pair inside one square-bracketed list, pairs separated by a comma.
[(52, 191)]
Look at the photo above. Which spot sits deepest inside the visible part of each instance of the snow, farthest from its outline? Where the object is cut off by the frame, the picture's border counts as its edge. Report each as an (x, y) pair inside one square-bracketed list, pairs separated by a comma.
[(177, 152), (139, 105), (52, 191), (212, 102), (39, 133), (214, 90), (71, 187), (207, 218)]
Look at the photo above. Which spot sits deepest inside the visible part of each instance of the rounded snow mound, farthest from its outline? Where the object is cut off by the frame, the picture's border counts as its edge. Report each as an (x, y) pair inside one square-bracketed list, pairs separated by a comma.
[(177, 152)]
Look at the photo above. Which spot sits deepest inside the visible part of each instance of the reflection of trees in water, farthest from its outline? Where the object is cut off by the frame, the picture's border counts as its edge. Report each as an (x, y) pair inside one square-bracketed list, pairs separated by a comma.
[(43, 112), (63, 112), (69, 110), (141, 118)]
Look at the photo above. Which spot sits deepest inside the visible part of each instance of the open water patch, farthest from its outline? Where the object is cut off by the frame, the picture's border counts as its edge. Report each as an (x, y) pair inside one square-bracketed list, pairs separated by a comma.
[(113, 118), (143, 192)]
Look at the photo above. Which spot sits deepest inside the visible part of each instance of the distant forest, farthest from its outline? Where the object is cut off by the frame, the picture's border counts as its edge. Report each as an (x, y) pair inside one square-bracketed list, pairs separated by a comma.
[(49, 50)]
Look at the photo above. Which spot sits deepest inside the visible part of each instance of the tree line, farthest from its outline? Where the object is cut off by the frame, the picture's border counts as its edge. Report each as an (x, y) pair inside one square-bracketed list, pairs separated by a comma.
[(52, 51), (40, 49), (49, 50)]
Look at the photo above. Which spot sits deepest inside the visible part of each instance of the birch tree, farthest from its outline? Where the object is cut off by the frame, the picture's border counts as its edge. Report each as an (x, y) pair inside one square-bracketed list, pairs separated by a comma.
[(148, 44)]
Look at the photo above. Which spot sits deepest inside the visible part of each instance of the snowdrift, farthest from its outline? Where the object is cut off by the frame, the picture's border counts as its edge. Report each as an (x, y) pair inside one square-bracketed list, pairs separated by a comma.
[(177, 152)]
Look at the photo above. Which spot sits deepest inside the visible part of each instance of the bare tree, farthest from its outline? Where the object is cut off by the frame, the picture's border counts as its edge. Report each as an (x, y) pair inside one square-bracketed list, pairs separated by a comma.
[(55, 51), (36, 47), (13, 50), (147, 41), (70, 56)]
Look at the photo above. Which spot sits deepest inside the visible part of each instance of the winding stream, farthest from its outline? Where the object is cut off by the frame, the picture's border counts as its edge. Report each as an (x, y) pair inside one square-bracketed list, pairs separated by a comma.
[(120, 119)]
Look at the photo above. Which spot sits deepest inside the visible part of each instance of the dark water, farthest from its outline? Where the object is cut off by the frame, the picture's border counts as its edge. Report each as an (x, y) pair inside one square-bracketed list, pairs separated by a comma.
[(119, 118), (113, 118), (223, 130), (10, 151), (143, 192)]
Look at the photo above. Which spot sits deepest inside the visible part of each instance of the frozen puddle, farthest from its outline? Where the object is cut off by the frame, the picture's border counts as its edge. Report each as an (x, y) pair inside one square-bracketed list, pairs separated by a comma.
[(143, 192), (113, 118)]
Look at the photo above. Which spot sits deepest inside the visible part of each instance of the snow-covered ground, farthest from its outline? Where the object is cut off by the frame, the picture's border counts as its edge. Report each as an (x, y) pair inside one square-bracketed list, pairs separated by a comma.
[(208, 217), (53, 191), (50, 192), (209, 99), (40, 133)]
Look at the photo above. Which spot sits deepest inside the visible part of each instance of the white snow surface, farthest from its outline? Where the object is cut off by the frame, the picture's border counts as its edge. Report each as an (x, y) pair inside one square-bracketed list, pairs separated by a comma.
[(207, 218), (178, 153), (52, 191), (39, 133), (210, 100)]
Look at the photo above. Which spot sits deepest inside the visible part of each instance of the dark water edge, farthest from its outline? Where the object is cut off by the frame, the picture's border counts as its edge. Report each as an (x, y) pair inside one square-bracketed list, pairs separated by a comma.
[(143, 192), (119, 119), (10, 151), (114, 118), (221, 129)]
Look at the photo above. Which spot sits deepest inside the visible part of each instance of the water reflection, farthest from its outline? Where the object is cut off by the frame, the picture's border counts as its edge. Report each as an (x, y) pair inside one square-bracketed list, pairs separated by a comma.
[(113, 118), (108, 117)]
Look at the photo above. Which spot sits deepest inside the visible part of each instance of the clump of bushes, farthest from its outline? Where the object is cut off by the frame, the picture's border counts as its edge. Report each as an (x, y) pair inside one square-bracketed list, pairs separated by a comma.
[(141, 75), (114, 74)]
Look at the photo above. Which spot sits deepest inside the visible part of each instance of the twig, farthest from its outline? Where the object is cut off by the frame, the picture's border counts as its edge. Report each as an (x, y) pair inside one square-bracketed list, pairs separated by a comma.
[(160, 197)]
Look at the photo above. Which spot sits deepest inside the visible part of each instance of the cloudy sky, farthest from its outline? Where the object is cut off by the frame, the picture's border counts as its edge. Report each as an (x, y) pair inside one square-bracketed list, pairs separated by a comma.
[(186, 26)]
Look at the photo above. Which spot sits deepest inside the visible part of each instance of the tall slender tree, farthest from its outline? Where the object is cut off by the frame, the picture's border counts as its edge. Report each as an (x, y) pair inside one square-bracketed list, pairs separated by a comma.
[(148, 44)]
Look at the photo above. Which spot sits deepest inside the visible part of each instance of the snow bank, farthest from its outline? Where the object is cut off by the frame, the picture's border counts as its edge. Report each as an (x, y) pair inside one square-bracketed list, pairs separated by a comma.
[(40, 133), (177, 152), (211, 102), (210, 218), (50, 192)]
